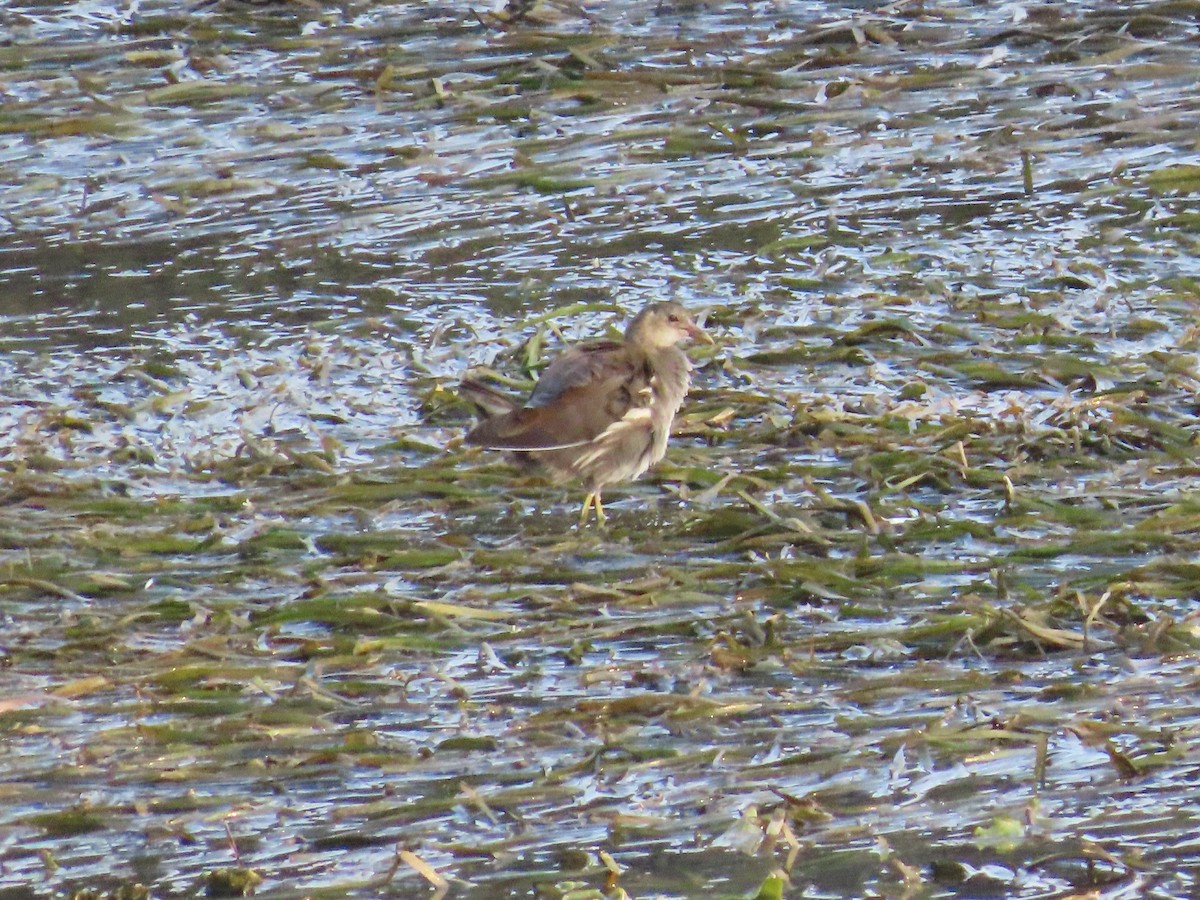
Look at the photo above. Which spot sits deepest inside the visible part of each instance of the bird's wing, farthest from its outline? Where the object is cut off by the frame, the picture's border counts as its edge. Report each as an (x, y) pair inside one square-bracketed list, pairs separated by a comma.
[(579, 396), (581, 366)]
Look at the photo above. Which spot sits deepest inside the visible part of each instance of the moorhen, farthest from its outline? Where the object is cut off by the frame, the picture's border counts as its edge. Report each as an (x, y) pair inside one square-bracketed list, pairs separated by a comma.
[(602, 411)]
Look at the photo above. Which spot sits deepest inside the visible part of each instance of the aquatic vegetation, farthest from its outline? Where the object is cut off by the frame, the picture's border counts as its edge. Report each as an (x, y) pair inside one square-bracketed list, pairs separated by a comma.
[(908, 608)]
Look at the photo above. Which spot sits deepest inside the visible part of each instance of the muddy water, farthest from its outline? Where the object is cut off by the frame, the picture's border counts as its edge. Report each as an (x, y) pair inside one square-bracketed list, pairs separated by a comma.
[(261, 612)]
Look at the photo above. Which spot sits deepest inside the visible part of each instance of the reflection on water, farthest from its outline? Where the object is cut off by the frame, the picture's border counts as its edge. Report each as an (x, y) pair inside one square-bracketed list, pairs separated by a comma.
[(257, 596)]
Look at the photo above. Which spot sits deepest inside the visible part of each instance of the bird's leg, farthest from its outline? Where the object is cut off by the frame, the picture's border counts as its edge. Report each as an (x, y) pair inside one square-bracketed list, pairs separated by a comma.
[(592, 500)]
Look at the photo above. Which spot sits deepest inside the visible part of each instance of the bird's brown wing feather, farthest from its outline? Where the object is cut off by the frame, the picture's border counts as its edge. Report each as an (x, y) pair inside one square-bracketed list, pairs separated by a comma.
[(578, 397), (580, 366)]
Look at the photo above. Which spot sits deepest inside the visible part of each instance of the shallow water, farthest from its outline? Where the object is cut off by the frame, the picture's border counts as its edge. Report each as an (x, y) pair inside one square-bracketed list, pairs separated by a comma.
[(263, 611)]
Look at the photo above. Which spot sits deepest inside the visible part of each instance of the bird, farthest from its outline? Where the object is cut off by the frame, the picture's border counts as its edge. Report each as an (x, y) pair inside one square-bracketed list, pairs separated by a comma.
[(601, 412)]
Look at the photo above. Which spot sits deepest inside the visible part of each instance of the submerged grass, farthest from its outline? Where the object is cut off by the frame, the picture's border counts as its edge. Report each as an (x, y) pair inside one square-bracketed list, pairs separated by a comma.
[(907, 610)]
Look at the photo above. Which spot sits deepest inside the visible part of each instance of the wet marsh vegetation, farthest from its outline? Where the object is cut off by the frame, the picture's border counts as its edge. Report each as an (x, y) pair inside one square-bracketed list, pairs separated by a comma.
[(909, 608)]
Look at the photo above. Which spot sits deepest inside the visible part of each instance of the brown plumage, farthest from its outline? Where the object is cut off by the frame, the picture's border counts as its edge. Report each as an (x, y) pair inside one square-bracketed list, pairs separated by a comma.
[(602, 411)]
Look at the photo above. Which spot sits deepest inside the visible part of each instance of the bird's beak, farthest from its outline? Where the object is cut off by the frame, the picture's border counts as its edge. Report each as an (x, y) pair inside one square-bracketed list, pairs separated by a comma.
[(697, 333)]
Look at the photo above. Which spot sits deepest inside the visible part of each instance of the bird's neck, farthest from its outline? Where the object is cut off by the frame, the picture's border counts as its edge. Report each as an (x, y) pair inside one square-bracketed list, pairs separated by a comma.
[(673, 370)]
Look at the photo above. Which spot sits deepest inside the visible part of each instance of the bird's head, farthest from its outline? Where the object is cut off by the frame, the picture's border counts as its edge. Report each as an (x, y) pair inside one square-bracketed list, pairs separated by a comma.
[(664, 324)]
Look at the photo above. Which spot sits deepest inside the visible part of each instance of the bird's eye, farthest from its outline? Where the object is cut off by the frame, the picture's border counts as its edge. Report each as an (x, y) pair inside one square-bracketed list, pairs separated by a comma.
[(673, 319)]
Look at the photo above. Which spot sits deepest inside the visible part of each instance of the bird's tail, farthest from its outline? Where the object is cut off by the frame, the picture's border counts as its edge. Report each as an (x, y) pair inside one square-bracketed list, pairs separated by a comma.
[(488, 401)]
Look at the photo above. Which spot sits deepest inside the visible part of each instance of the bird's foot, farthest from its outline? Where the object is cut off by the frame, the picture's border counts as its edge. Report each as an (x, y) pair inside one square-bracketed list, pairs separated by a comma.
[(592, 501)]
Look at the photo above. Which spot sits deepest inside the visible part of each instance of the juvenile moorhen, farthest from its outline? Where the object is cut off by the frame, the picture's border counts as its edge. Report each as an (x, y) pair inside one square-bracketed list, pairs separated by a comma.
[(602, 411)]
